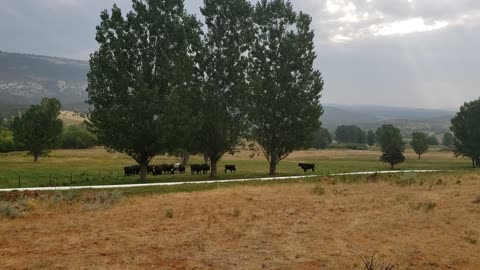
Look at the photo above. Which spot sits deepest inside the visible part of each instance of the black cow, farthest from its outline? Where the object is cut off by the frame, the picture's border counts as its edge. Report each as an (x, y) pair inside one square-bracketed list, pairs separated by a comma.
[(128, 171), (168, 168), (307, 166), (205, 168), (157, 170), (181, 168), (178, 167), (230, 168), (150, 169), (196, 168), (132, 170)]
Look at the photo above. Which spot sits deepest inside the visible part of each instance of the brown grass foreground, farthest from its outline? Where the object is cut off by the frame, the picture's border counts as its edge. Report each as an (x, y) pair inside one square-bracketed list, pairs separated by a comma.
[(421, 225)]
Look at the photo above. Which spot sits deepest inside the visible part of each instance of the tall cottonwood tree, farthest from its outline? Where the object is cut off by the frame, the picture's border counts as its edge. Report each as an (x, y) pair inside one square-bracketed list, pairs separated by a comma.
[(144, 59), (224, 86), (39, 128), (284, 102), (466, 128)]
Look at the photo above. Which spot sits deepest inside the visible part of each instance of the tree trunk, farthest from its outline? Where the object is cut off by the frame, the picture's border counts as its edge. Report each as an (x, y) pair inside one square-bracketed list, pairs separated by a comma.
[(392, 166), (419, 156), (143, 172), (213, 168), (273, 168), (185, 157), (474, 163), (206, 158), (35, 157)]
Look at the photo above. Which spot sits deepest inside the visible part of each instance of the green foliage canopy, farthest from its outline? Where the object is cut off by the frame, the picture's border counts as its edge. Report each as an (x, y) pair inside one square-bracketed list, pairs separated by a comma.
[(432, 140), (285, 89), (143, 61), (371, 138), (392, 145), (224, 86), (419, 143), (77, 137), (39, 128), (350, 134), (466, 129), (322, 139), (448, 139), (7, 143)]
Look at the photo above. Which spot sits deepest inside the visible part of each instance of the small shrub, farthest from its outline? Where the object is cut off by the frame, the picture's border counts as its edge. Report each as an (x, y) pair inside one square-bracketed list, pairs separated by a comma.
[(405, 181), (103, 199), (425, 206), (477, 200), (236, 212), (169, 213), (8, 210), (471, 237), (318, 190), (372, 177), (372, 263)]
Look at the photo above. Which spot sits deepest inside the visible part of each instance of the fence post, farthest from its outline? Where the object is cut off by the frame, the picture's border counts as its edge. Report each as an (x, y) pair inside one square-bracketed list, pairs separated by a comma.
[(19, 182)]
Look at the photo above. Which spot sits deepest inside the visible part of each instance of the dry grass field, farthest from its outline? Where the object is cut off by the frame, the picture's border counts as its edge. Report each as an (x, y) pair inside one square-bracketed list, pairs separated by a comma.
[(410, 221), (71, 118)]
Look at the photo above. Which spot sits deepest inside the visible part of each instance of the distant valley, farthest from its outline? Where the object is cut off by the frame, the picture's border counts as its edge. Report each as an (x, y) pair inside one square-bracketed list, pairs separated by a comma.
[(373, 116), (26, 79)]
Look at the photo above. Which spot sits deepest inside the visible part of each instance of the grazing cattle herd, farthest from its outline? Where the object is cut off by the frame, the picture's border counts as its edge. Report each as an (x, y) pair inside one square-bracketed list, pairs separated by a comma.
[(194, 168)]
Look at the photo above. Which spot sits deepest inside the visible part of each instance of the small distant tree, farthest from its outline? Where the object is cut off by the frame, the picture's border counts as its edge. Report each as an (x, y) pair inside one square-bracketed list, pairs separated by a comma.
[(432, 140), (39, 128), (419, 143), (371, 138), (322, 139), (465, 127), (448, 139), (390, 140), (7, 143), (350, 134)]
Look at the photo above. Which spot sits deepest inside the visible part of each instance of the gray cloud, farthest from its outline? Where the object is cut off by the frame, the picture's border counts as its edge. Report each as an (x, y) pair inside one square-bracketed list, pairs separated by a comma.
[(418, 53)]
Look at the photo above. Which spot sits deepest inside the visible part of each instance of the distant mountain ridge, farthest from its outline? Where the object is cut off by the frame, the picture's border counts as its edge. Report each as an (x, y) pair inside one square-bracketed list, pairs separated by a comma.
[(26, 79), (372, 116)]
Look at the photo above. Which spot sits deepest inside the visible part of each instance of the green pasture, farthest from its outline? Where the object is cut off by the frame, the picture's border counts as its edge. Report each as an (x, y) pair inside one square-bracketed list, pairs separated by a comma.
[(98, 167)]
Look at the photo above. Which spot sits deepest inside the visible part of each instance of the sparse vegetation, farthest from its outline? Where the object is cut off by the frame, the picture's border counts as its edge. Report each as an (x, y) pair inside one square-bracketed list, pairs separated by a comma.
[(471, 236), (422, 206), (318, 190), (373, 263), (8, 210), (169, 213), (102, 199)]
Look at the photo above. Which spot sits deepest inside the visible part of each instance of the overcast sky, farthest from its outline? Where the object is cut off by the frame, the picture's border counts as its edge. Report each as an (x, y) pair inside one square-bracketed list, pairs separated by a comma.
[(415, 53)]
